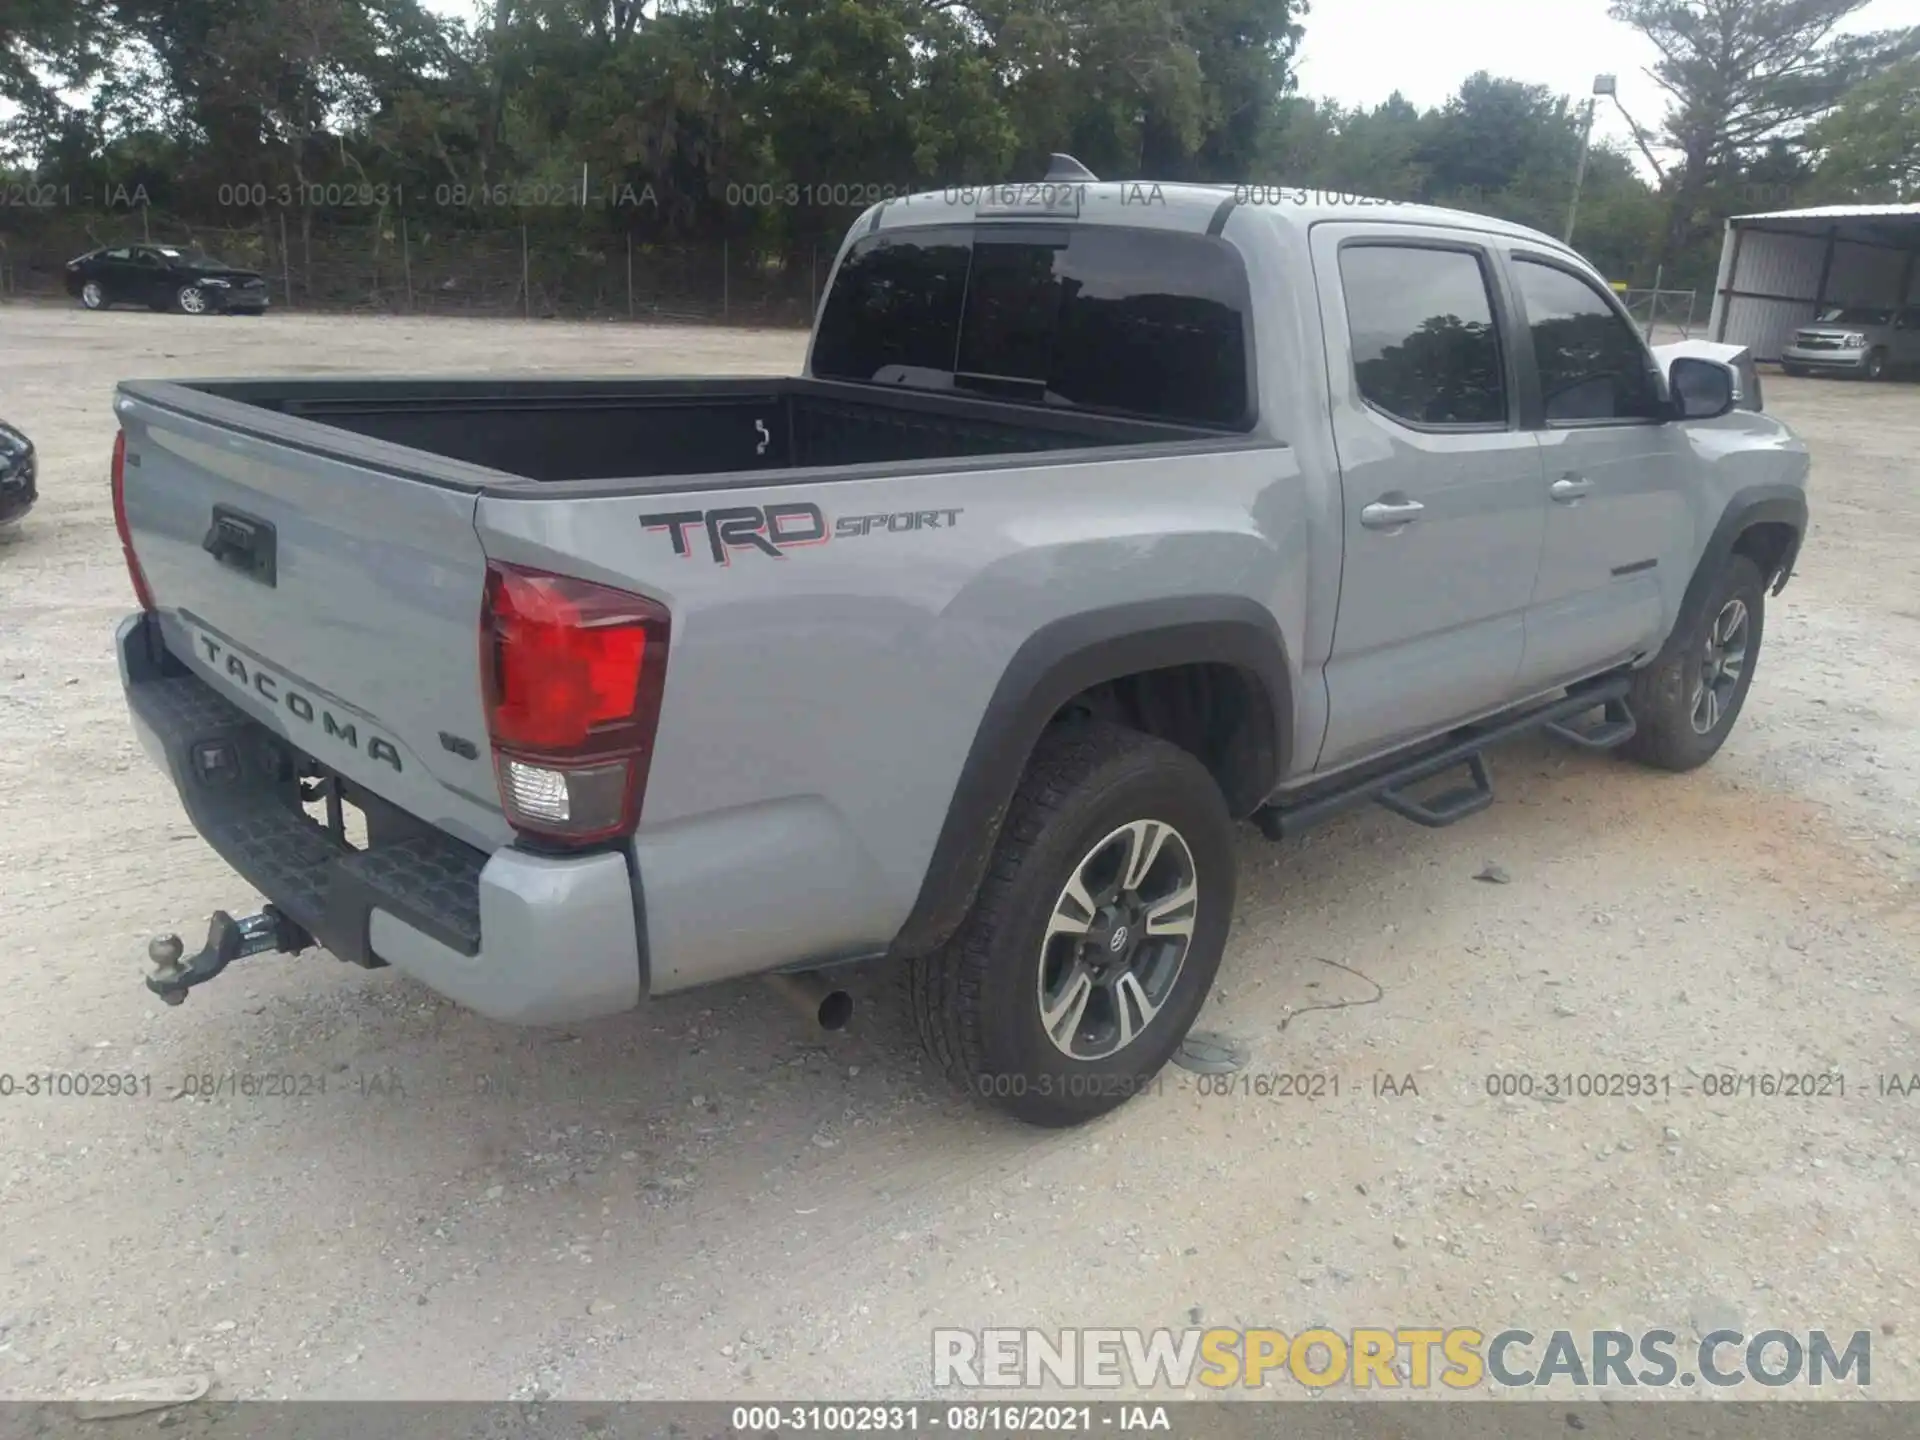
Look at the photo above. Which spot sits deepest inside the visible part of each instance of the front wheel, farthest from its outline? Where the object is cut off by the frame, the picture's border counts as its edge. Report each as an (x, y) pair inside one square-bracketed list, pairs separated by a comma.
[(1876, 367), (1096, 934), (192, 300), (92, 296), (1684, 707)]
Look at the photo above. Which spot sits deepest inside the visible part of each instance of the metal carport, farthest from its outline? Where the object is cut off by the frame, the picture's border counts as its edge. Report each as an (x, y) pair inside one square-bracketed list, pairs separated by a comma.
[(1778, 270)]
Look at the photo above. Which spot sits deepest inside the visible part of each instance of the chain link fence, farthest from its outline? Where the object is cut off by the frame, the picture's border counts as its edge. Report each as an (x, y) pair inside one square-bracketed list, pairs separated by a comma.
[(1663, 315), (544, 268)]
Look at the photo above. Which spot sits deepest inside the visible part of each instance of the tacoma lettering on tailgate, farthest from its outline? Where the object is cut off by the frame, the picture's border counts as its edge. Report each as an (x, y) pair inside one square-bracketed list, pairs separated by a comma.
[(250, 675)]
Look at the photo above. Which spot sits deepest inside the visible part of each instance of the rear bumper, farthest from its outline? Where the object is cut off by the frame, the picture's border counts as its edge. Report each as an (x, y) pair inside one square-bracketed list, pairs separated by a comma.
[(524, 938)]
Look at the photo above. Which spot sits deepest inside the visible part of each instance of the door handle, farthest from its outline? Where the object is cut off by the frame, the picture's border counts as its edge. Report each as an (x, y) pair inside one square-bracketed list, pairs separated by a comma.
[(1569, 488), (1390, 514)]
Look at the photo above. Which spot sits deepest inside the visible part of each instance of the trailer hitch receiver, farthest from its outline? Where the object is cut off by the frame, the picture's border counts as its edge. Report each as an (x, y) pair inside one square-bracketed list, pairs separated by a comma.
[(228, 940)]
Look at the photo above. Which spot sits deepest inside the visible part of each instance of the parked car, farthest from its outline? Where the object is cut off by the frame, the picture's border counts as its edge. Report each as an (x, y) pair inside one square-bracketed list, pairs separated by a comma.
[(1864, 341), (1092, 525), (165, 277), (18, 483)]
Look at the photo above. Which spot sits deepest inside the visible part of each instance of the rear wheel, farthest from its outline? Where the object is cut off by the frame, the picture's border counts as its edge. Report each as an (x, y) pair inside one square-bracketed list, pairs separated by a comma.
[(1684, 707), (1096, 934)]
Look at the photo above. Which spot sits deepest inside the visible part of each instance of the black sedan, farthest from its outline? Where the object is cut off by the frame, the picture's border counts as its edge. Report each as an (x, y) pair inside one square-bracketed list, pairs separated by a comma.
[(164, 277), (17, 488)]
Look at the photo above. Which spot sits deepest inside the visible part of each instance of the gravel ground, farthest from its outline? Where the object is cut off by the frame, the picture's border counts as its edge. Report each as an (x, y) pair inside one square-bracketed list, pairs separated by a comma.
[(703, 1200)]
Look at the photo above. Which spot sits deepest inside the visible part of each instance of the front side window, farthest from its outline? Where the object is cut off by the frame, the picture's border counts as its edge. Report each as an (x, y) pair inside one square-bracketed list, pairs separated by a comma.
[(1592, 364), (1137, 322), (1425, 346)]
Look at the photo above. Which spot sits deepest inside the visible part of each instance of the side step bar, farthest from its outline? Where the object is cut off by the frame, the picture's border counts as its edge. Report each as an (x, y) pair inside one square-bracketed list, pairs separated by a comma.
[(1390, 786), (1614, 728)]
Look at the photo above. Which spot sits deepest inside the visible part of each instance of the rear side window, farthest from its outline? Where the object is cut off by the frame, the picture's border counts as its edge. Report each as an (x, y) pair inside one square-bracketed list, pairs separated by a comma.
[(1136, 322), (1592, 364), (893, 313), (1425, 346)]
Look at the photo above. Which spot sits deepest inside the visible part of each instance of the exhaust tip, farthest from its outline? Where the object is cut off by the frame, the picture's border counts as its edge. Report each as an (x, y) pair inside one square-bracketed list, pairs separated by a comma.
[(822, 1002), (836, 1010)]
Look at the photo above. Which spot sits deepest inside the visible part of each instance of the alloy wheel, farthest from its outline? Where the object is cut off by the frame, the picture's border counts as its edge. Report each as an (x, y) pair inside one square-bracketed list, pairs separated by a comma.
[(1117, 940), (1722, 664)]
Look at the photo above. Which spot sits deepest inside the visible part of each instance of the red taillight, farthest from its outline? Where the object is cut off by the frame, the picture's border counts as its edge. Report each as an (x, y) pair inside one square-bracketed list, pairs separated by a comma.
[(573, 674), (119, 482)]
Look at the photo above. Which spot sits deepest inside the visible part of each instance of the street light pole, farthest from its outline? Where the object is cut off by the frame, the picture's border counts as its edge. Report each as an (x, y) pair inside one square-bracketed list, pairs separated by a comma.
[(1602, 85)]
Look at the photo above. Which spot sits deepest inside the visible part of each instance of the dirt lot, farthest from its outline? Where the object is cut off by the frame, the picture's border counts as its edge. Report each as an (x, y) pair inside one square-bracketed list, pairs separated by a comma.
[(703, 1200)]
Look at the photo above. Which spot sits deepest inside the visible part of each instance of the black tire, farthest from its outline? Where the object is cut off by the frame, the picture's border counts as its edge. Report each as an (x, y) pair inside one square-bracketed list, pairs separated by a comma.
[(1876, 366), (1665, 699), (977, 1000), (193, 300), (93, 296)]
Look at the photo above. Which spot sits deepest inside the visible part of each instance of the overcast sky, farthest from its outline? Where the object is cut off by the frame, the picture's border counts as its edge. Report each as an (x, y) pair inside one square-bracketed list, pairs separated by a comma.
[(1361, 51)]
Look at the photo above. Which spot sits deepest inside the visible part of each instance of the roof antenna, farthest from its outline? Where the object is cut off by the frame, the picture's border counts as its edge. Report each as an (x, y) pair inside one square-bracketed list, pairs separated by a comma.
[(1061, 167)]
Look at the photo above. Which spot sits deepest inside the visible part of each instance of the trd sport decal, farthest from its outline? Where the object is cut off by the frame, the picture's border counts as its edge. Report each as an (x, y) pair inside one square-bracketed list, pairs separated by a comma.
[(775, 529)]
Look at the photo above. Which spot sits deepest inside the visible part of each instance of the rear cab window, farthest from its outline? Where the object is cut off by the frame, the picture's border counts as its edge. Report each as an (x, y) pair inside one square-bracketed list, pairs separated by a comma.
[(1145, 323)]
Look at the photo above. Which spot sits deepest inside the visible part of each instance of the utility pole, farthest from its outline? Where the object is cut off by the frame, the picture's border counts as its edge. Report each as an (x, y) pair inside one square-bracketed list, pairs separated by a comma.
[(1602, 85)]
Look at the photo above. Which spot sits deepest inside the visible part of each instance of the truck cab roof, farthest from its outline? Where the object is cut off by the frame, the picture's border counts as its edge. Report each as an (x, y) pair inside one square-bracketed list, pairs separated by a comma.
[(1198, 209)]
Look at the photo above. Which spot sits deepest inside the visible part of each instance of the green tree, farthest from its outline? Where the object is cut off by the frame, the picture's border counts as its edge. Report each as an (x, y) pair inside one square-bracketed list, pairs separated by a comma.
[(1498, 136), (1741, 75), (1868, 148), (46, 46)]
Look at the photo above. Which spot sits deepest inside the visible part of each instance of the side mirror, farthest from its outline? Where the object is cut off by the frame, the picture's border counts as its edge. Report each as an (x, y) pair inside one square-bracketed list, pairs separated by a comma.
[(1702, 389)]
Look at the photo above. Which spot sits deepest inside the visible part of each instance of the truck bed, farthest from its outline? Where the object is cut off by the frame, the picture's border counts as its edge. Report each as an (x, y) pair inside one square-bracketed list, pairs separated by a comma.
[(659, 431)]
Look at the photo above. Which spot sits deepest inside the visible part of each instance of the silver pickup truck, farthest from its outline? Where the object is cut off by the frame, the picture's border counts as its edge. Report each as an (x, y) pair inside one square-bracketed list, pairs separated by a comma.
[(1101, 517)]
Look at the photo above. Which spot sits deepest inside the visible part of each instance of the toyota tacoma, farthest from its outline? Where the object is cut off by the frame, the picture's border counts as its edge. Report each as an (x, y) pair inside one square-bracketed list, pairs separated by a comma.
[(1101, 517)]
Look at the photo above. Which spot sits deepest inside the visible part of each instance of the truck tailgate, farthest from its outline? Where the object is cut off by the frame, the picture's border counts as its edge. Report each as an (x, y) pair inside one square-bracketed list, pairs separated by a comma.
[(334, 601)]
